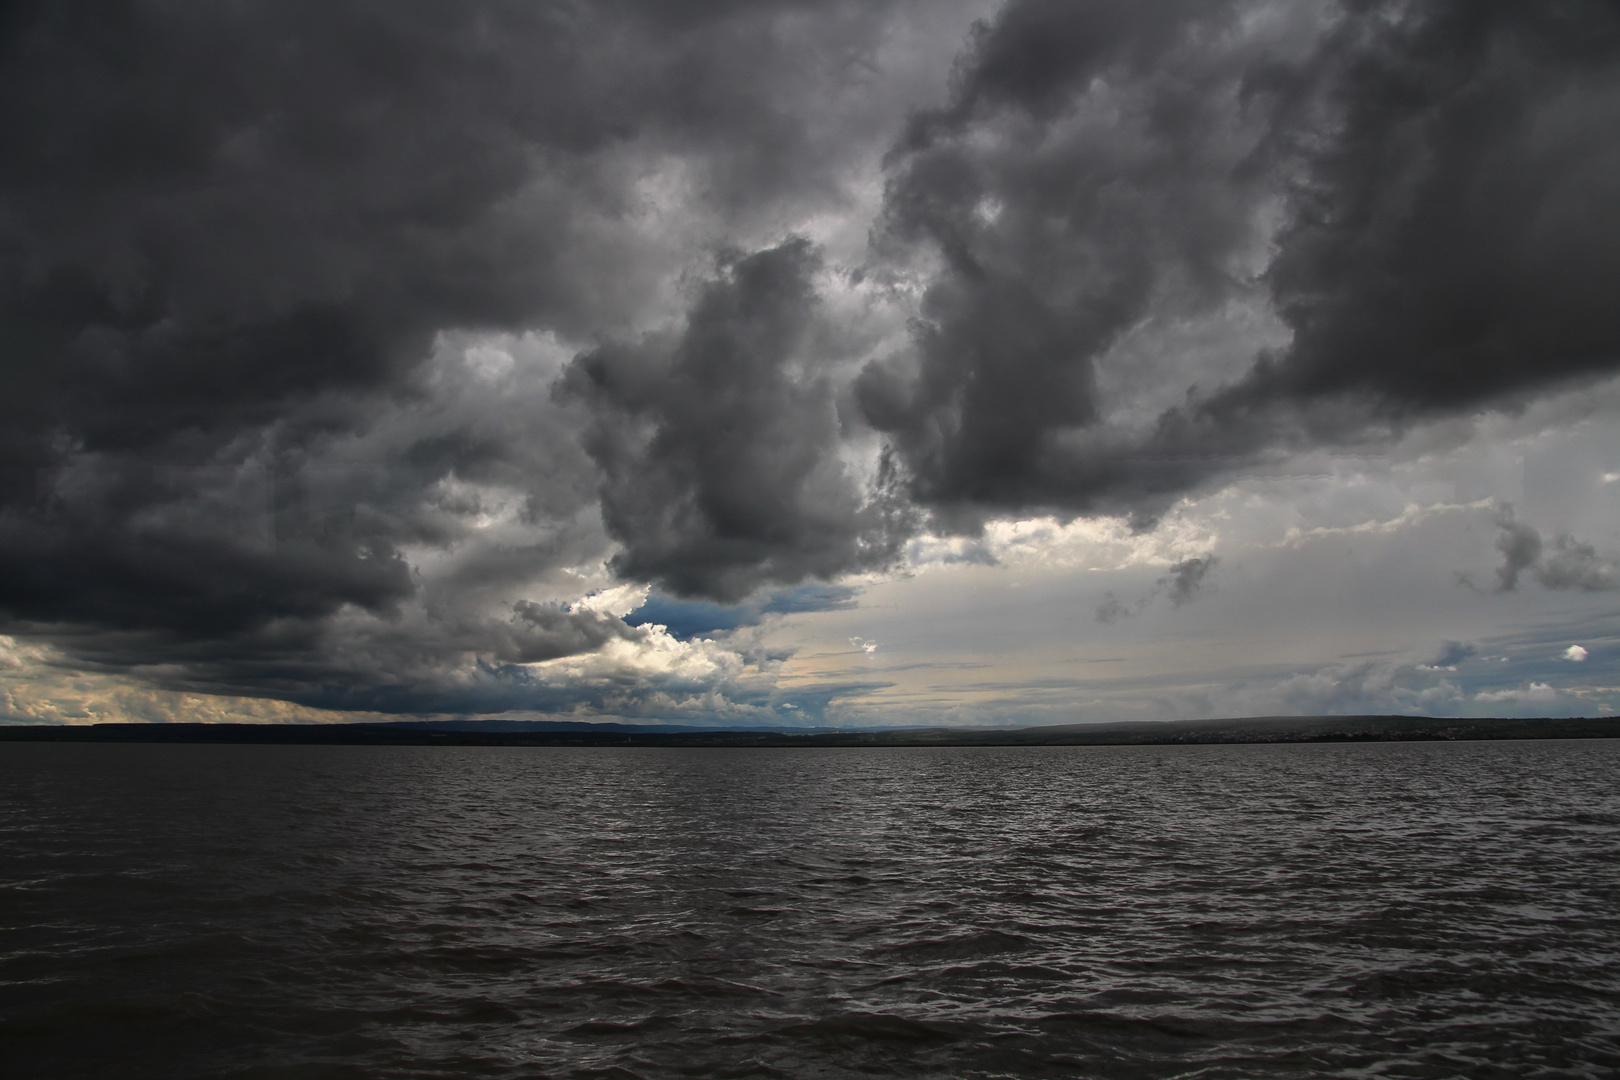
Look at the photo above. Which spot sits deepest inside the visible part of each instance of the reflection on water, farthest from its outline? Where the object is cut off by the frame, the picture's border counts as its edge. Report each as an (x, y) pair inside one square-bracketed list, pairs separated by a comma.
[(1224, 911)]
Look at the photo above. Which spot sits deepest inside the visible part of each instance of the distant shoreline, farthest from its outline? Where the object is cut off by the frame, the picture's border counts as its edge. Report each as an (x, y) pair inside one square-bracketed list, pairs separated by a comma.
[(1272, 729)]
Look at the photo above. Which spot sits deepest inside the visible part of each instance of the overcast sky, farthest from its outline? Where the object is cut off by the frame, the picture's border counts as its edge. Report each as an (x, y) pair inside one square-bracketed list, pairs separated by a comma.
[(869, 362)]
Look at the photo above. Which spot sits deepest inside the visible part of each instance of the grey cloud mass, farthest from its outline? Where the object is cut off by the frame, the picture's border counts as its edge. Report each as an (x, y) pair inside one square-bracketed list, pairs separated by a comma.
[(717, 447), (1520, 546), (1569, 564), (1453, 653), (1180, 586), (1090, 169), (1437, 184), (1186, 578), (1574, 565), (352, 353), (232, 242)]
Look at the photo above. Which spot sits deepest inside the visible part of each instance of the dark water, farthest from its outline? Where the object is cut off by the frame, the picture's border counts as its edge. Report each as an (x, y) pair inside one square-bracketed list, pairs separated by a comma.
[(1244, 911)]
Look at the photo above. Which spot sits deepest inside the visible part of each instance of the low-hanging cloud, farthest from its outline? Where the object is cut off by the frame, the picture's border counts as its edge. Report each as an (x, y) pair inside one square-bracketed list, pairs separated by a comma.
[(1567, 564), (1451, 654), (1180, 586), (1520, 546), (1574, 565)]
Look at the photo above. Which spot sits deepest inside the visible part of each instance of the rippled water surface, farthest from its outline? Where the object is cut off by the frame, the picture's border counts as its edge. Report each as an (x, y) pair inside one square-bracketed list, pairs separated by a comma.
[(1228, 911)]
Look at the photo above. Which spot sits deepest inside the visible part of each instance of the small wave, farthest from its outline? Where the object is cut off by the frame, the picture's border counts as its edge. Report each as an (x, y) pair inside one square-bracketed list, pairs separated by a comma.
[(620, 1027), (965, 946), (711, 988), (880, 1026)]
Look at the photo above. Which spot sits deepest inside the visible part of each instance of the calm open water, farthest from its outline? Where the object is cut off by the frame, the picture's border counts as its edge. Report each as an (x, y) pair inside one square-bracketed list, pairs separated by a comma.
[(1389, 910)]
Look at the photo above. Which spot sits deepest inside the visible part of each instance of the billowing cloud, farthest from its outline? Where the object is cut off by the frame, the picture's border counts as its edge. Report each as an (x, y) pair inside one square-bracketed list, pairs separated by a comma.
[(1087, 176), (285, 288), (717, 447), (1422, 195)]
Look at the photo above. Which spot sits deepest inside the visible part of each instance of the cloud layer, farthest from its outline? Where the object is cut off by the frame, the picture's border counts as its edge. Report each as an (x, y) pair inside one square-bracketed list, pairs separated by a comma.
[(383, 357)]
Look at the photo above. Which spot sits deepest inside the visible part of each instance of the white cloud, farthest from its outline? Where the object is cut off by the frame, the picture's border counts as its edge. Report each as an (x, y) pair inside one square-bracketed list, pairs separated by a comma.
[(1575, 653), (619, 600), (1536, 691)]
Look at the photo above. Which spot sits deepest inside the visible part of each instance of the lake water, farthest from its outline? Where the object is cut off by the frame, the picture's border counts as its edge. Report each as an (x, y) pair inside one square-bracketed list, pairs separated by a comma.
[(1399, 910)]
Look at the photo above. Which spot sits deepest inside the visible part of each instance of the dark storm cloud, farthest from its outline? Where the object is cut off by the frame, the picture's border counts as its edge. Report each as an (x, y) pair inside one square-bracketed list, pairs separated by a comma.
[(230, 236), (1448, 178), (212, 213), (248, 251), (1062, 213), (1453, 239), (717, 446)]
